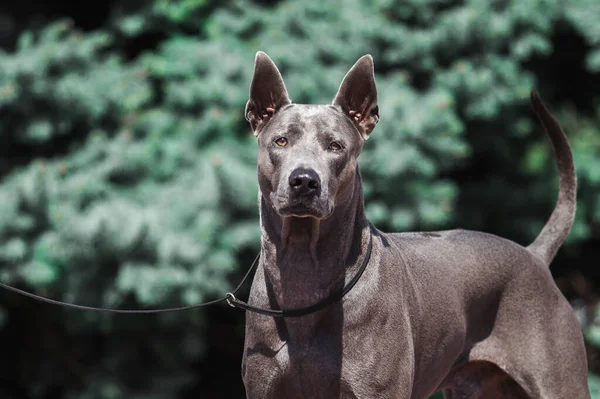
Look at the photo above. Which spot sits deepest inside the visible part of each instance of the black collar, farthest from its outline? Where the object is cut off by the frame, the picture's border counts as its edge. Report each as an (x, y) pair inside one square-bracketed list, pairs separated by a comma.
[(236, 303)]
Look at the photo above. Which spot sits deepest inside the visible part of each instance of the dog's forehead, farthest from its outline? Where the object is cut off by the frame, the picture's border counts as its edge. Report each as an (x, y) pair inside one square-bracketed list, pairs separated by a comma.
[(311, 117)]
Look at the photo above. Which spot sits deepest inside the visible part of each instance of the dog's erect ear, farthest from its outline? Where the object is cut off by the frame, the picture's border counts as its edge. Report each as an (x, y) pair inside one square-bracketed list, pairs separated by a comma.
[(267, 92), (357, 96)]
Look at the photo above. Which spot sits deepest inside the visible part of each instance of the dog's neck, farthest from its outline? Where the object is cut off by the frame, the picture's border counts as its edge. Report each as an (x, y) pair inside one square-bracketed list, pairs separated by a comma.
[(306, 259)]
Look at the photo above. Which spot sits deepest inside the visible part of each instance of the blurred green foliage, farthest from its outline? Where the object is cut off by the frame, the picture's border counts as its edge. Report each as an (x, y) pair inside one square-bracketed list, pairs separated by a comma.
[(128, 178)]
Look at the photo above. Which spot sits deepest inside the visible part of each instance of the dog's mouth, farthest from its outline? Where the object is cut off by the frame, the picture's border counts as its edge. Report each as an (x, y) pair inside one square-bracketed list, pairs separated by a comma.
[(290, 205), (300, 211)]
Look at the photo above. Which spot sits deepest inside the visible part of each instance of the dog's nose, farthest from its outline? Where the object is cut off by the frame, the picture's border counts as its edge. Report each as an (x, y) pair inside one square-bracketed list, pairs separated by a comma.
[(305, 182)]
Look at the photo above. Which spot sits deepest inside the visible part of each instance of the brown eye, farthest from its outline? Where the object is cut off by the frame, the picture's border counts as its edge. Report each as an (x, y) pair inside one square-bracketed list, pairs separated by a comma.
[(335, 146), (282, 141)]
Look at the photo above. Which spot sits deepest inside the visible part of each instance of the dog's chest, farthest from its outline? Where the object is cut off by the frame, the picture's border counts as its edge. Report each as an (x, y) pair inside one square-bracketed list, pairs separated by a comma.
[(309, 369), (325, 366)]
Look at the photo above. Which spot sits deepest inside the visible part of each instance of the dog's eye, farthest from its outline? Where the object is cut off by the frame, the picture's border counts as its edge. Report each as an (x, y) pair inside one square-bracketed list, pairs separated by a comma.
[(335, 146), (282, 141)]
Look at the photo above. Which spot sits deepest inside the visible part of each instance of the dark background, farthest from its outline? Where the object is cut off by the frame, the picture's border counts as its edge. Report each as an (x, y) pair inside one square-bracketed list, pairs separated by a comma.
[(127, 170)]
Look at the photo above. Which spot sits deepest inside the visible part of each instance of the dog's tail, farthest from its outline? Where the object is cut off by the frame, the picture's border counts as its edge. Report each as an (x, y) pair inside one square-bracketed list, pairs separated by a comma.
[(561, 220)]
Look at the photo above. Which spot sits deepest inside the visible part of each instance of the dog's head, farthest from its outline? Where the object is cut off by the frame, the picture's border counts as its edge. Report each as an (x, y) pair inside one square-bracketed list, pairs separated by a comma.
[(307, 153)]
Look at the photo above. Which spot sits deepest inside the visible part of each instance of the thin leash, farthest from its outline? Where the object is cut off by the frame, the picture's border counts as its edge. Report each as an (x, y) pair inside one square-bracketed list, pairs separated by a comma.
[(134, 311), (229, 297)]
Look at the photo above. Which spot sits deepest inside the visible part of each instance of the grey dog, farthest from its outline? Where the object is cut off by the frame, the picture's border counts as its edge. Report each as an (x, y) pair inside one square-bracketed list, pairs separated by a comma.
[(463, 312)]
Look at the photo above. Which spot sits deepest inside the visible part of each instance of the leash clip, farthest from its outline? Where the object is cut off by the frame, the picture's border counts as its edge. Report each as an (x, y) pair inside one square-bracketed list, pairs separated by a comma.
[(230, 298)]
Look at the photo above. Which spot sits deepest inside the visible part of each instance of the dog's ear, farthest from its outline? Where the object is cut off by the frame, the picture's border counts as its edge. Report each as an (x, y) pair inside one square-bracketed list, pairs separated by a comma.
[(357, 96), (267, 93)]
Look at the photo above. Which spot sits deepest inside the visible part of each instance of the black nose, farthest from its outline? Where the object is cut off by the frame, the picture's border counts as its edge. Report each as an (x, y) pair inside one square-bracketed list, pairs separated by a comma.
[(305, 182)]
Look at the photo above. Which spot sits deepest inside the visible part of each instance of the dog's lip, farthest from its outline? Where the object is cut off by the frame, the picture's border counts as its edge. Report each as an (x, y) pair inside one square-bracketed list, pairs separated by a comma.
[(301, 211)]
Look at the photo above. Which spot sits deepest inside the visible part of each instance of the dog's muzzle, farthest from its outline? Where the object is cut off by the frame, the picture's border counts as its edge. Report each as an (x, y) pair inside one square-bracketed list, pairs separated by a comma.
[(303, 195)]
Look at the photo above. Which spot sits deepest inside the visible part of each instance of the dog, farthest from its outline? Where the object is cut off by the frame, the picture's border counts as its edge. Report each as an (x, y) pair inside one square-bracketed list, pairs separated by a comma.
[(467, 313)]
